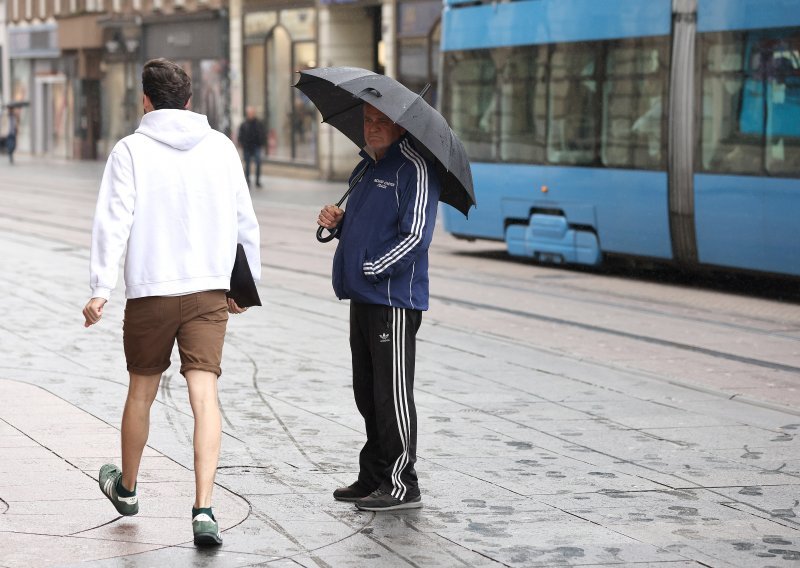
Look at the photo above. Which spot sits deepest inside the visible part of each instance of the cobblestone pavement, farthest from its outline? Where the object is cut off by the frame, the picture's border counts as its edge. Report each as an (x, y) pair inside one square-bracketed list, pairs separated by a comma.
[(566, 417)]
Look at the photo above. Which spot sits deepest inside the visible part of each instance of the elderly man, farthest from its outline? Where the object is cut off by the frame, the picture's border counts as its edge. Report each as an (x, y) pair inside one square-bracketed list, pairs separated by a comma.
[(381, 265), (173, 193)]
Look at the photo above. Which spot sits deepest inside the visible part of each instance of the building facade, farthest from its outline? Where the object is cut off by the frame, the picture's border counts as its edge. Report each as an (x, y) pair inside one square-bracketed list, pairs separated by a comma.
[(77, 63), (275, 38), (193, 33)]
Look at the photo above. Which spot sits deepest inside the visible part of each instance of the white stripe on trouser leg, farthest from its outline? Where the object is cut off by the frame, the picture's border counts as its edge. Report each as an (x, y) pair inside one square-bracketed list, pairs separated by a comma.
[(400, 490), (401, 409), (396, 346), (404, 398), (400, 401)]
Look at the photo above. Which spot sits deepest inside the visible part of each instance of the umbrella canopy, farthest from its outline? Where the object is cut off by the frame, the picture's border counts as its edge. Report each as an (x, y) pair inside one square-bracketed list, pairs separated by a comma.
[(339, 94)]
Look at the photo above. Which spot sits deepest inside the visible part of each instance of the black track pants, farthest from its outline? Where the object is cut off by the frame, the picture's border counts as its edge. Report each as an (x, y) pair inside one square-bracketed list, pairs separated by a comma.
[(383, 345)]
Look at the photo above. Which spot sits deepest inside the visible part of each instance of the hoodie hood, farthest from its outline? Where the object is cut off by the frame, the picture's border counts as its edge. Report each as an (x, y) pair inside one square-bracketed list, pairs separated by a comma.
[(181, 129)]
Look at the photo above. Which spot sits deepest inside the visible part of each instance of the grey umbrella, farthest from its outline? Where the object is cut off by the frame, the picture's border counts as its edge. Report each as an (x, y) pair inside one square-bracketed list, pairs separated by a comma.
[(339, 93)]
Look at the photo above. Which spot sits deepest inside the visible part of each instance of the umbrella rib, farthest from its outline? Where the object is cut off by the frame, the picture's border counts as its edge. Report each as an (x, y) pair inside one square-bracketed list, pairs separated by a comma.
[(348, 109)]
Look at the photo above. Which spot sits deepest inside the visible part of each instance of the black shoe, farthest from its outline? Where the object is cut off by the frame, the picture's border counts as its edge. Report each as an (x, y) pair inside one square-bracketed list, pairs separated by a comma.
[(258, 184), (352, 492), (380, 500)]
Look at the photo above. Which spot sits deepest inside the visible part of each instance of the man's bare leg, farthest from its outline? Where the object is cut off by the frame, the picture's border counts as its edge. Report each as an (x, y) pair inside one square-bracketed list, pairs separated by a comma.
[(142, 391), (207, 432)]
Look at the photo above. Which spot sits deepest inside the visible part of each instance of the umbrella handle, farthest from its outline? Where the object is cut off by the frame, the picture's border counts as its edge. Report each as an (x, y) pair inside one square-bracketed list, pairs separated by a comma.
[(325, 239)]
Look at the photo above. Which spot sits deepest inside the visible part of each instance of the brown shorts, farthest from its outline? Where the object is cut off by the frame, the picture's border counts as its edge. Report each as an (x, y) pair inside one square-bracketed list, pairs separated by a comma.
[(152, 325)]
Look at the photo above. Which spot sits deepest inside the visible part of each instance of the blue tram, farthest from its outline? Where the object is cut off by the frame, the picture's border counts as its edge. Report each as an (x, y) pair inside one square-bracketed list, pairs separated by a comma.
[(660, 129)]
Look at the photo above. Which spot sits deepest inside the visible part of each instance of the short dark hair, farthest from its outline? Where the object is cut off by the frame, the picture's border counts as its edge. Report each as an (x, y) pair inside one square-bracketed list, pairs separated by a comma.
[(166, 84)]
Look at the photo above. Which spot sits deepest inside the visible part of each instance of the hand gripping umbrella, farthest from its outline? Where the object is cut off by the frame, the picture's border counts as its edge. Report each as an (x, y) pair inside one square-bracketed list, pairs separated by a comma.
[(339, 94)]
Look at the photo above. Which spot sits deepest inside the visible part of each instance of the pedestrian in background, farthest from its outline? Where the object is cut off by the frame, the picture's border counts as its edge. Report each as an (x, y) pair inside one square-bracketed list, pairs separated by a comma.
[(11, 136), (251, 138), (173, 193), (381, 265)]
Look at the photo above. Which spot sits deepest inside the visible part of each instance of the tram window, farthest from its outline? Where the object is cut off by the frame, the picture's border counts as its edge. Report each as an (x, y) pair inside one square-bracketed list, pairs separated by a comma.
[(470, 101), (633, 104), (573, 105), (750, 122), (523, 105), (731, 119), (578, 104), (783, 105)]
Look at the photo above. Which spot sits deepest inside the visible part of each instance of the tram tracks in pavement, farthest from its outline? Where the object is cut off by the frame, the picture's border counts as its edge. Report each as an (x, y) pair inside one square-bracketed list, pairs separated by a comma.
[(619, 333), (590, 297), (516, 284), (529, 315), (570, 291)]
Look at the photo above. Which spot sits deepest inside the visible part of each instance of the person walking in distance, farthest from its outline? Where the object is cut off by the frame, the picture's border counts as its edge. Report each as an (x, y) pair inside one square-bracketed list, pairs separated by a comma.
[(173, 193), (381, 265), (11, 136), (251, 138)]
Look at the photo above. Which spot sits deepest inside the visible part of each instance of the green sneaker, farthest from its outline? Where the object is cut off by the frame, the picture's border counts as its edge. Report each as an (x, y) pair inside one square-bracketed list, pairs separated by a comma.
[(109, 477), (206, 530)]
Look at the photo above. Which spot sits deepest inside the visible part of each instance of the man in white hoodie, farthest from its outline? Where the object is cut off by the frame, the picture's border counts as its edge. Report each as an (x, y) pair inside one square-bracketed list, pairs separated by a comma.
[(173, 193)]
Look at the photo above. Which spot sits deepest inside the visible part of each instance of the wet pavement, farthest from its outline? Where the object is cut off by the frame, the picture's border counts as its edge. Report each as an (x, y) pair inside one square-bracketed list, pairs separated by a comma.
[(575, 428)]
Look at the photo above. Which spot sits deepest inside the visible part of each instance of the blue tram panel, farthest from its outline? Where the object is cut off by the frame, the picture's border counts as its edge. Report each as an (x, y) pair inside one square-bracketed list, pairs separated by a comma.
[(528, 22), (747, 172), (563, 106), (567, 214)]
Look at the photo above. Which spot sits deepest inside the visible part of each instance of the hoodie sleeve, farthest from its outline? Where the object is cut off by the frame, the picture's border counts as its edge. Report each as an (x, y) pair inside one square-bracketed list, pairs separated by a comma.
[(417, 218), (113, 218), (249, 234)]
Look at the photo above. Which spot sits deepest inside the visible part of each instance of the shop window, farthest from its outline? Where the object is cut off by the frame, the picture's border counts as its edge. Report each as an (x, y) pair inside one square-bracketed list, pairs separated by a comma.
[(304, 112), (255, 77), (418, 33), (279, 99), (277, 44)]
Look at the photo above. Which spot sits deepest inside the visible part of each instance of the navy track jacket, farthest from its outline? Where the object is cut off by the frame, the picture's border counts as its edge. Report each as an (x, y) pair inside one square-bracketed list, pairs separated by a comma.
[(382, 255)]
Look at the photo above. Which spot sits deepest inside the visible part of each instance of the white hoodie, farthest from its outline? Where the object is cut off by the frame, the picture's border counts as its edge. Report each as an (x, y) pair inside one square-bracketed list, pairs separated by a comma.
[(174, 192)]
